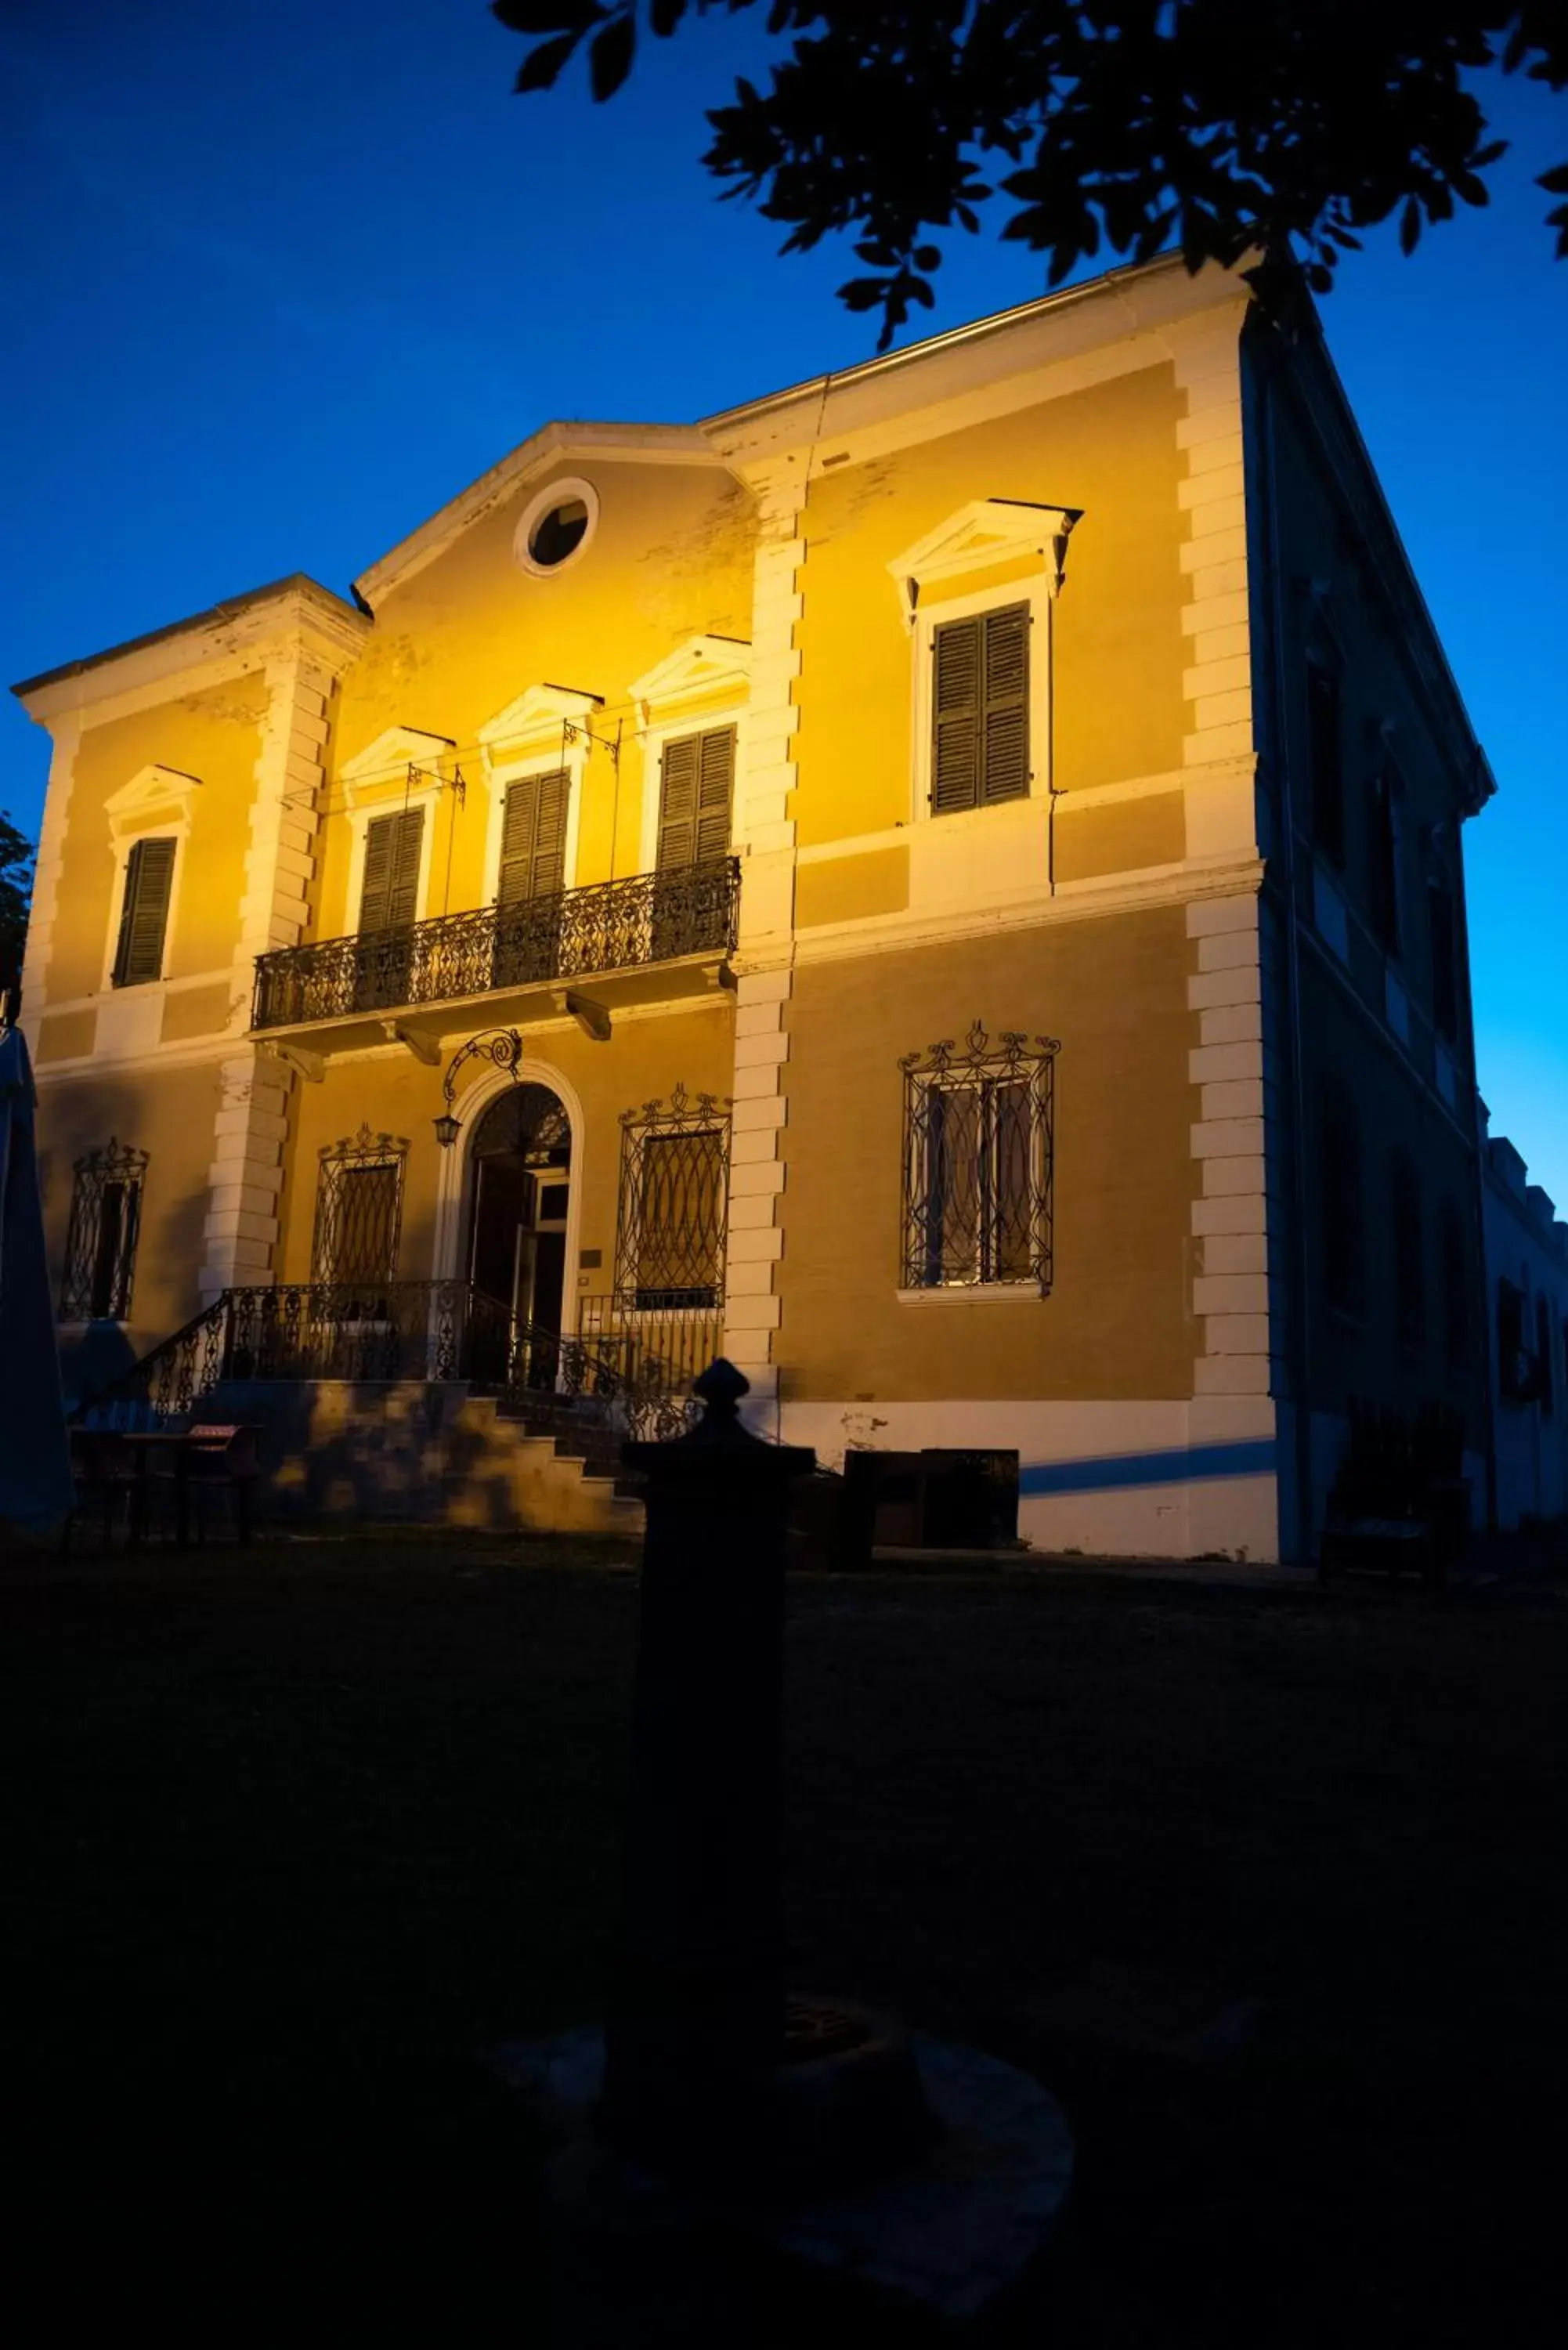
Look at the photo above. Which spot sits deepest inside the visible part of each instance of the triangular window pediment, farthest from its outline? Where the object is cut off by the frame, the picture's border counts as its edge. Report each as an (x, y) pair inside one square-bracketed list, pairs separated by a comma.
[(387, 759), (153, 792), (701, 667), (535, 716), (983, 535)]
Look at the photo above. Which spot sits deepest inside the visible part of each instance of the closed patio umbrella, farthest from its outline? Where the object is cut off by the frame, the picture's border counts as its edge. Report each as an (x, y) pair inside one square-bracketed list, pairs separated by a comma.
[(35, 1452)]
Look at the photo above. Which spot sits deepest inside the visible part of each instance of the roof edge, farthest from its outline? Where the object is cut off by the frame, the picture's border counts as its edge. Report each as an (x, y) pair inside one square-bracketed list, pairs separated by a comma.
[(1104, 283), (562, 437), (232, 608)]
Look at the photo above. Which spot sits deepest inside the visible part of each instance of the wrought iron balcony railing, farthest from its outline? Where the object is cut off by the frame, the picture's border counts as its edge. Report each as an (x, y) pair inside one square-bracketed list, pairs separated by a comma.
[(652, 918)]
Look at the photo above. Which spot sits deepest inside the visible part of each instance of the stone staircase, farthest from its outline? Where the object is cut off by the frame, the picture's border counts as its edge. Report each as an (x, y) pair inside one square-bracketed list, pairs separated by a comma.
[(428, 1453)]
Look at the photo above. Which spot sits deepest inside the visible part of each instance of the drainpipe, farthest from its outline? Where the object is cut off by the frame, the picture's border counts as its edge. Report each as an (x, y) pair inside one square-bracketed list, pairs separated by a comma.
[(1300, 1351)]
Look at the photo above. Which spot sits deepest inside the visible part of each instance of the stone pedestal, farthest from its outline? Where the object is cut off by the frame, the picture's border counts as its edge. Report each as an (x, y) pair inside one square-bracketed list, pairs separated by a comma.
[(697, 2028)]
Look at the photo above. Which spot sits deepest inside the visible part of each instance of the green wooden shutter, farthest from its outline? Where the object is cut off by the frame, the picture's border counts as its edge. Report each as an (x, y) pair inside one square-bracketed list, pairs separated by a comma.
[(534, 837), (1005, 741), (388, 896), (678, 802), (715, 787), (955, 716), (980, 709), (144, 916)]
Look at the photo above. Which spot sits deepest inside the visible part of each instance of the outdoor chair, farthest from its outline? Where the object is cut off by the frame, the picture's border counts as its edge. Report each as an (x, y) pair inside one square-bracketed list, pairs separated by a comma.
[(103, 1480), (222, 1464), (219, 1464)]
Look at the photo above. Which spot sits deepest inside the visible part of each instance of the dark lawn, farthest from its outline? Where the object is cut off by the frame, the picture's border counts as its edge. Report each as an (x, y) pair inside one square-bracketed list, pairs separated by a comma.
[(292, 1838)]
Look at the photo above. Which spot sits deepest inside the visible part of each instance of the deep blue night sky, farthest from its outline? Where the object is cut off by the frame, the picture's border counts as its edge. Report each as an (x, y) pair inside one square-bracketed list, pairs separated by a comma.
[(282, 276)]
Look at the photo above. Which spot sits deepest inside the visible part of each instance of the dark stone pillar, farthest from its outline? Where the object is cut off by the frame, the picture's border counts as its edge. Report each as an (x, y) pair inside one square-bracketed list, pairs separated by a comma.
[(696, 2032)]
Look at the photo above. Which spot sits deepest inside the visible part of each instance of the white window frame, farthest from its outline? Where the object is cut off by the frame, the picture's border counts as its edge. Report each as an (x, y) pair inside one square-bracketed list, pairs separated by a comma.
[(1037, 593), (505, 771), (362, 815), (670, 725), (124, 842), (155, 804), (554, 494)]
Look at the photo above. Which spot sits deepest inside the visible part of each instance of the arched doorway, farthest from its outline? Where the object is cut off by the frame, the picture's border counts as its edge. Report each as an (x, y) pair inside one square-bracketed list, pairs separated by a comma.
[(520, 1162)]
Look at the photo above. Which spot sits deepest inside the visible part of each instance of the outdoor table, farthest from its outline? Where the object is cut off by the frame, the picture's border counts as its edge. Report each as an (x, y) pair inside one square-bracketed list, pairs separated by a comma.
[(186, 1444), (145, 1444)]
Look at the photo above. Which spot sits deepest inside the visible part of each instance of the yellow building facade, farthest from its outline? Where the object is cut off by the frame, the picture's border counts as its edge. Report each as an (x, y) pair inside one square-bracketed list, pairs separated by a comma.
[(847, 832)]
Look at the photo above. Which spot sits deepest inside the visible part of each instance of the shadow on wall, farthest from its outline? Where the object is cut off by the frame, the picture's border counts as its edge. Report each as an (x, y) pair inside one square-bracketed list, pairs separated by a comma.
[(171, 1241)]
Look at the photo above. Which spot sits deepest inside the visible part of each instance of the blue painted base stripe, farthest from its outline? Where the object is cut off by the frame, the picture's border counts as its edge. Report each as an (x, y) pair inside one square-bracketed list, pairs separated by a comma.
[(1114, 1471)]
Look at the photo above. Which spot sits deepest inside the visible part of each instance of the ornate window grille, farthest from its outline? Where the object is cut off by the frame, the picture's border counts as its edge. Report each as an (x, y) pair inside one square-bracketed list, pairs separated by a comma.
[(977, 1162), (359, 1209), (101, 1244), (674, 1186)]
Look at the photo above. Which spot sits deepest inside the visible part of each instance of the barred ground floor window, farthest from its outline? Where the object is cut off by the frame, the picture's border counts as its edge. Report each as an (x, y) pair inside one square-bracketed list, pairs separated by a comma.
[(358, 1209), (100, 1243), (977, 1162), (674, 1186)]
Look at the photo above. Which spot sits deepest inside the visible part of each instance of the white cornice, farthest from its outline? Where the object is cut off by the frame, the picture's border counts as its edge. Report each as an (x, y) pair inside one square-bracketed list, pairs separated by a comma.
[(835, 412), (296, 615), (640, 444)]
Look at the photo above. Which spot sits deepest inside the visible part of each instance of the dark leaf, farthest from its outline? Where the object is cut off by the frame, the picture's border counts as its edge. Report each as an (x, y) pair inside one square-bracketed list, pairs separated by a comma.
[(863, 293), (541, 66), (609, 58), (547, 15), (1556, 183), (664, 16), (1409, 226), (928, 256), (966, 218)]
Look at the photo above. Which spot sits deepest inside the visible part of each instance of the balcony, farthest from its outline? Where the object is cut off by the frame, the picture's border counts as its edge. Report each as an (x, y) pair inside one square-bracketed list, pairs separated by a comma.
[(649, 939)]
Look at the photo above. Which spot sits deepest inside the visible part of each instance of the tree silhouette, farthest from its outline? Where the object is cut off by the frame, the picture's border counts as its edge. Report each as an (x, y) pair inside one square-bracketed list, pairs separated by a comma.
[(1230, 128), (15, 890)]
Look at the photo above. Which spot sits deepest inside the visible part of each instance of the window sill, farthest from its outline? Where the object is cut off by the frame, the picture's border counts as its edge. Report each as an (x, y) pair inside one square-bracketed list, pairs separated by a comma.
[(980, 1292)]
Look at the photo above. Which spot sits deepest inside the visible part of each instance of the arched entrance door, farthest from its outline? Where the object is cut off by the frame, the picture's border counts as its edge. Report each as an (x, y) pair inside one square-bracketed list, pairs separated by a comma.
[(519, 1191)]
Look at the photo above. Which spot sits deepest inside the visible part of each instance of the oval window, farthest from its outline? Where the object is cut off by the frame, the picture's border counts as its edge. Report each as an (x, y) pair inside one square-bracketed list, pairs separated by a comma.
[(555, 526), (557, 532)]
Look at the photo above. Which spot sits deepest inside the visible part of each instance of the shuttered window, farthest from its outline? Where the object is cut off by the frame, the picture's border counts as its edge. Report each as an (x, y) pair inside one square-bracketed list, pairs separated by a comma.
[(698, 781), (144, 914), (980, 709), (534, 837), (389, 898)]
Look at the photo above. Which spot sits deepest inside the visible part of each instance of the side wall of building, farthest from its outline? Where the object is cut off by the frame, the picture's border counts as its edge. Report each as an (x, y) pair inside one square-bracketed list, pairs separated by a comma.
[(1346, 1006), (1527, 1248)]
